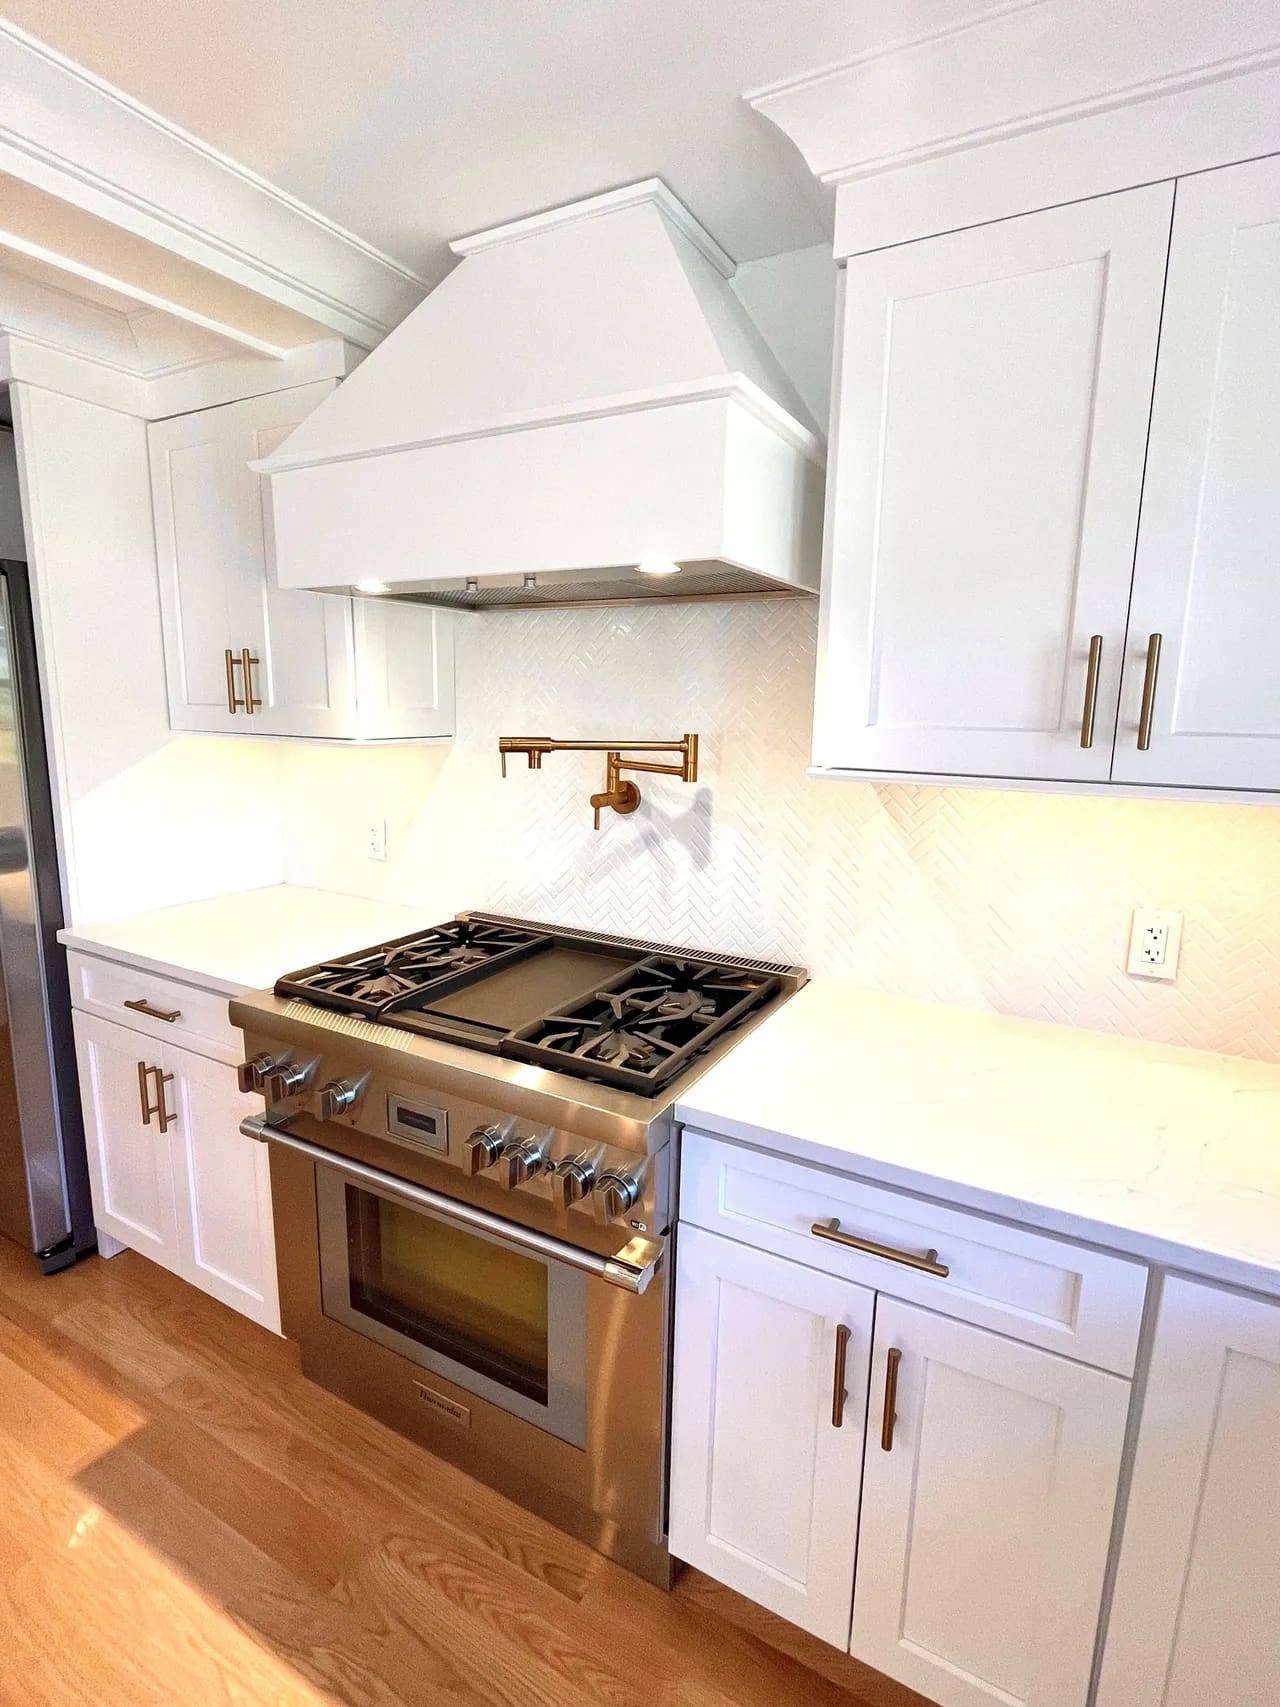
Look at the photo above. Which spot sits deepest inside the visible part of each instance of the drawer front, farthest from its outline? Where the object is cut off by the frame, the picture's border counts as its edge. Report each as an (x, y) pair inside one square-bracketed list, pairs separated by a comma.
[(109, 987), (1035, 1288)]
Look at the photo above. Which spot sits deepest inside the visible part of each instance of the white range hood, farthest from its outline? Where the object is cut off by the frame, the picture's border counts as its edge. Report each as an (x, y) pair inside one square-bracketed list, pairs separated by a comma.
[(584, 394)]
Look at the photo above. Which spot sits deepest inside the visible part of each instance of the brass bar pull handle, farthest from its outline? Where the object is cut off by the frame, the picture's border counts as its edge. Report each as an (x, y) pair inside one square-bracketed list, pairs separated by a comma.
[(838, 1393), (234, 702), (1091, 692), (893, 1357), (162, 1102), (144, 1095), (927, 1264), (1147, 716), (141, 1006), (251, 699)]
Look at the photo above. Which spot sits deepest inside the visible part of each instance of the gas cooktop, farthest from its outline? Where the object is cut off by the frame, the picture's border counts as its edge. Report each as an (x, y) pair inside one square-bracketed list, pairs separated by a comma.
[(598, 1008)]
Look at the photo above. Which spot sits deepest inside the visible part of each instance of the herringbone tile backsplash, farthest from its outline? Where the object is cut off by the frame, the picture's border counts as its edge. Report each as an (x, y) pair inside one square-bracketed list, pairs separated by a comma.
[(1017, 902)]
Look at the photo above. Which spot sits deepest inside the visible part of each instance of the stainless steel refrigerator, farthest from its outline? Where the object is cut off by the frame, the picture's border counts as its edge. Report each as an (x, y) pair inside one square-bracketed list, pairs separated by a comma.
[(44, 1182)]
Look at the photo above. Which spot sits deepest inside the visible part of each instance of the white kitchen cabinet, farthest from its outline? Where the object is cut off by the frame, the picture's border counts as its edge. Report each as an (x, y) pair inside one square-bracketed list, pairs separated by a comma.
[(172, 1176), (986, 1514), (243, 656), (1193, 1617), (764, 1487), (1205, 578), (222, 1188), (130, 1161), (993, 390)]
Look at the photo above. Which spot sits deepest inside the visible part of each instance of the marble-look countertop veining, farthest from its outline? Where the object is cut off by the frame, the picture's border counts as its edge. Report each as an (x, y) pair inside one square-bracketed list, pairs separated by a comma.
[(1164, 1153), (246, 941)]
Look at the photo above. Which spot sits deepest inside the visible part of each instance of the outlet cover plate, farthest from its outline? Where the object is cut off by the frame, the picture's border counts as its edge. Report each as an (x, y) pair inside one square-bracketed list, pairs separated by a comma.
[(377, 838), (1154, 943)]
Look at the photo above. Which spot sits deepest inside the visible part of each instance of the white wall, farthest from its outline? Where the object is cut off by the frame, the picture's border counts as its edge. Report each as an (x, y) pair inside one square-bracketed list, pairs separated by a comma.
[(1018, 902), (146, 817), (12, 543), (792, 299)]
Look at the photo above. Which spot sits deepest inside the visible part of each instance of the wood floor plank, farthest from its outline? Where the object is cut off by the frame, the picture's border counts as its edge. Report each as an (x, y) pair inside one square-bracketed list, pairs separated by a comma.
[(185, 1519)]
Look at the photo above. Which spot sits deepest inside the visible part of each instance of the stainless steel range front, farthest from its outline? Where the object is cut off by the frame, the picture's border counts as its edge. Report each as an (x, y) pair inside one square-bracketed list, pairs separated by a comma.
[(471, 1170)]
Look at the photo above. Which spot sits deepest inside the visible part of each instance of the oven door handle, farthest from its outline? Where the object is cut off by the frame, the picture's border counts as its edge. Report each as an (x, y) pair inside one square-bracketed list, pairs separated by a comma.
[(632, 1268)]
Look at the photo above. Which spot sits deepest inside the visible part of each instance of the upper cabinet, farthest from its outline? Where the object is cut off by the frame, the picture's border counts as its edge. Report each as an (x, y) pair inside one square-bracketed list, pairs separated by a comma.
[(996, 459), (1206, 579), (242, 655)]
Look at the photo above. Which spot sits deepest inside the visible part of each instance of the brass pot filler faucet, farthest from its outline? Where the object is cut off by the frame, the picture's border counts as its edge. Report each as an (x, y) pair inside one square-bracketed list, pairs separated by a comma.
[(619, 791)]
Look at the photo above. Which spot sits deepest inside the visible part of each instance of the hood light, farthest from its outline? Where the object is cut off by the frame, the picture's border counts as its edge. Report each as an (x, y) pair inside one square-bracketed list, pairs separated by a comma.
[(658, 566), (372, 587)]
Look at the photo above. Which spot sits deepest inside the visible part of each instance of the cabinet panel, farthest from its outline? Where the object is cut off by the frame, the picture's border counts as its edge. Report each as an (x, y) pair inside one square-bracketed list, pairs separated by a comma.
[(1193, 1618), (130, 1168), (994, 390), (223, 1187), (764, 1489), (307, 668), (209, 565), (404, 671), (1205, 577), (985, 1528)]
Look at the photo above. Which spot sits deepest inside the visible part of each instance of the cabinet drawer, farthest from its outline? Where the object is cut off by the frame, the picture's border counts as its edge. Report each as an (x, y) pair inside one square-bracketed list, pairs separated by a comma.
[(1034, 1287), (107, 987)]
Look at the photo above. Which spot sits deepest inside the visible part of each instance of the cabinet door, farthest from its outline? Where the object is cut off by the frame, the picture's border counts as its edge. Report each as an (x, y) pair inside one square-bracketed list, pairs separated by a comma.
[(223, 1189), (306, 673), (764, 1489), (1206, 576), (1193, 1617), (994, 392), (209, 556), (404, 670), (129, 1157), (986, 1525)]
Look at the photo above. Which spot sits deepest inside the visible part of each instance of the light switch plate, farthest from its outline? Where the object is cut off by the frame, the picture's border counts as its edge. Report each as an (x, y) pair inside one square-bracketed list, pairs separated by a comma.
[(1154, 942)]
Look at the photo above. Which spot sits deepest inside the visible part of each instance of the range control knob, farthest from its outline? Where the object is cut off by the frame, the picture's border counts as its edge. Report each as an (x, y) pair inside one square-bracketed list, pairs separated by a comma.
[(338, 1095), (287, 1079), (524, 1160), (485, 1146), (572, 1179), (251, 1075), (613, 1194)]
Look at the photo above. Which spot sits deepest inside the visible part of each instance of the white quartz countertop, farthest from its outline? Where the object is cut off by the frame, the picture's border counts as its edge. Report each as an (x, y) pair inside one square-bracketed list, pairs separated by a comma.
[(246, 941), (1165, 1153)]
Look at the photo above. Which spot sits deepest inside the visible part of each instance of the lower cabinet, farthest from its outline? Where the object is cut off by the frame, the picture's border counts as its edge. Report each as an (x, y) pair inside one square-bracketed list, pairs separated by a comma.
[(987, 1500), (1193, 1617), (171, 1174), (771, 1397), (936, 1498)]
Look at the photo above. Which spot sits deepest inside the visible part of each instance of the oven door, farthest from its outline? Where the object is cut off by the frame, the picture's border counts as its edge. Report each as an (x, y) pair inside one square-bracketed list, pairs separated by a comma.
[(490, 1313)]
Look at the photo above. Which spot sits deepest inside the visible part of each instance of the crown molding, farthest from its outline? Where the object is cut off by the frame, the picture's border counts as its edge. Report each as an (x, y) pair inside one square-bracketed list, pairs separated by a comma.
[(648, 191), (73, 135), (200, 382), (1008, 70)]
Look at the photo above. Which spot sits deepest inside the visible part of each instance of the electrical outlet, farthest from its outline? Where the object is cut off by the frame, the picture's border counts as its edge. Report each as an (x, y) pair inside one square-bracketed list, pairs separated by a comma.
[(377, 833), (1154, 942)]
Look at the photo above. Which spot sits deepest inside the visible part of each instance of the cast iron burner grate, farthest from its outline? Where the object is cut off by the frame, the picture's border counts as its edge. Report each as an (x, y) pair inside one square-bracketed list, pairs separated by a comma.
[(374, 982), (645, 1025)]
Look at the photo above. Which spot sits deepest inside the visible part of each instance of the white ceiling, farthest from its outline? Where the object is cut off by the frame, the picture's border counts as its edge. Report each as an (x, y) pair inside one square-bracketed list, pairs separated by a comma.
[(413, 121)]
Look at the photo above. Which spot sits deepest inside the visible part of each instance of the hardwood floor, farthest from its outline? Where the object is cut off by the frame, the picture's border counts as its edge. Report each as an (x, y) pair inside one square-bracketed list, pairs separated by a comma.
[(184, 1518)]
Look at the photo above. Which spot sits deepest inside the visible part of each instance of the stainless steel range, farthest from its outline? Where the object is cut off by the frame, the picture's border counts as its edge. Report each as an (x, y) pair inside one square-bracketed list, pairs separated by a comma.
[(471, 1169)]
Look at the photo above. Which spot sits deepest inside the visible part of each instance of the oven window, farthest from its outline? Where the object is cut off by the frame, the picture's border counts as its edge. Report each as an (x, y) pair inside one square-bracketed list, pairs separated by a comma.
[(467, 1298)]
